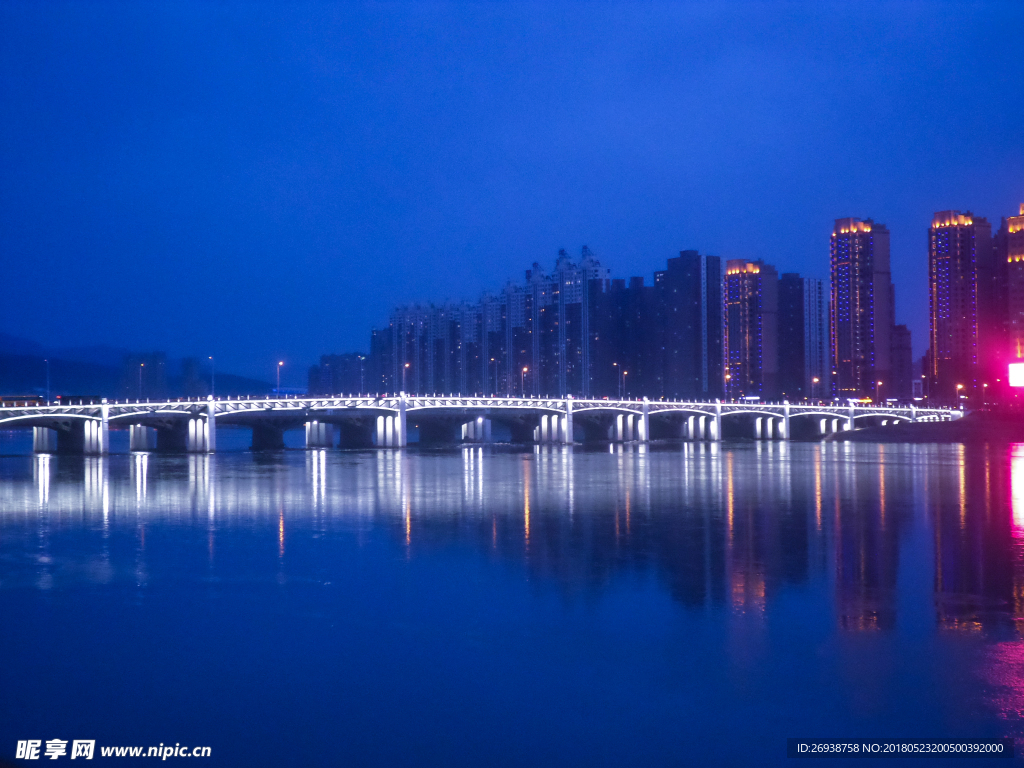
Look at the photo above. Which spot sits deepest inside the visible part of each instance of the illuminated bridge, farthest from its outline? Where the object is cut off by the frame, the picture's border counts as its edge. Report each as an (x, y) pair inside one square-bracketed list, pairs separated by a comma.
[(385, 421)]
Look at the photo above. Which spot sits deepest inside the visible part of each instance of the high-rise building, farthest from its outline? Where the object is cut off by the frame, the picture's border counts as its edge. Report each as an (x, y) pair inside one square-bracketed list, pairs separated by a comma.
[(572, 331), (565, 319), (861, 307), (636, 367), (339, 374), (803, 338), (689, 326), (902, 384), (751, 329), (1010, 256), (964, 311)]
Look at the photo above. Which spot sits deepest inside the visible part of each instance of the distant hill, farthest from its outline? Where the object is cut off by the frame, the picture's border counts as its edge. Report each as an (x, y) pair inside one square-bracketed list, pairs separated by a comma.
[(96, 370), (26, 375)]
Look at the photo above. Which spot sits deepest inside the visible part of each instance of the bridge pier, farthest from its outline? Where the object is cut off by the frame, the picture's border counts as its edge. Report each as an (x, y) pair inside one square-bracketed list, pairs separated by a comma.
[(211, 424), (141, 438), (355, 434), (552, 428), (757, 428), (319, 434), (93, 442), (267, 437), (391, 431), (627, 428), (477, 431), (197, 437), (44, 440), (402, 437)]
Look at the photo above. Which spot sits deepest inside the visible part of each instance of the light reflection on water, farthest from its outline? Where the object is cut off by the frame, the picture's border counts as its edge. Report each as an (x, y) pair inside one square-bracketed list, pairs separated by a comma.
[(787, 553)]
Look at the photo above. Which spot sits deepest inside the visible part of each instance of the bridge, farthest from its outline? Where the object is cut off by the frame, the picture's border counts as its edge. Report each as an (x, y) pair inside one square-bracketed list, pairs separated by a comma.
[(362, 421)]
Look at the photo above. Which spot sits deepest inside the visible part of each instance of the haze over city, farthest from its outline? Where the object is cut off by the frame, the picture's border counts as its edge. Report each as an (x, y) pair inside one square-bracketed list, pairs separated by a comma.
[(267, 185)]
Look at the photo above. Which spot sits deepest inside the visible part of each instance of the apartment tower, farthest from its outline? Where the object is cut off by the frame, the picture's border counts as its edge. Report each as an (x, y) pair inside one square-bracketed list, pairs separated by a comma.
[(861, 309), (751, 329), (964, 311)]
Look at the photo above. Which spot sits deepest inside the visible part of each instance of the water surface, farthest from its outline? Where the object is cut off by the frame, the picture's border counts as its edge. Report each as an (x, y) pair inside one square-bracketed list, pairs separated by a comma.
[(693, 604)]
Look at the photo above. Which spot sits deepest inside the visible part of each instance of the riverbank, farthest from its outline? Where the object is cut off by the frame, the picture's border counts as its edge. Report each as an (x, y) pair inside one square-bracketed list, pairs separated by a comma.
[(977, 427)]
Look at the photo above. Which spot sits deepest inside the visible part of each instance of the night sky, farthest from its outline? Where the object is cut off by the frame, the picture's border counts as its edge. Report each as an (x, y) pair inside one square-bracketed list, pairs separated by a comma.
[(264, 182)]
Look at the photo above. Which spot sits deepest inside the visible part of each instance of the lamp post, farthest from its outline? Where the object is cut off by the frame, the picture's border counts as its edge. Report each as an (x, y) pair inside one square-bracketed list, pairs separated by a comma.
[(878, 390), (814, 387), (522, 382), (213, 375), (495, 377), (279, 364), (622, 393), (47, 361), (404, 369), (141, 366), (959, 387)]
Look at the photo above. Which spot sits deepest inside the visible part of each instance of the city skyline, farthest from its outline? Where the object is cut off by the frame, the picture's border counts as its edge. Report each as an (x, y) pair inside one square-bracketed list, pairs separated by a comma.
[(578, 332), (340, 160), (975, 272)]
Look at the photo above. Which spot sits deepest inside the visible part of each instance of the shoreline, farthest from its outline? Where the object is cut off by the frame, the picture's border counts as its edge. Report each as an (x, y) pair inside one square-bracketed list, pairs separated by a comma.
[(975, 427)]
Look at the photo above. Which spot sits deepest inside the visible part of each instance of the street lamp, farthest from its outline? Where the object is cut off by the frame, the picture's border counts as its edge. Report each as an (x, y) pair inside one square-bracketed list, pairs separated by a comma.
[(404, 369), (814, 381), (958, 388), (522, 382), (47, 361), (141, 366), (279, 364), (495, 377), (878, 389), (213, 375), (622, 394)]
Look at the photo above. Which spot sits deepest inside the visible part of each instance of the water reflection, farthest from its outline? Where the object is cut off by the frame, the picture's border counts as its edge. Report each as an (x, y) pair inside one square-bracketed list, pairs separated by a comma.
[(859, 543), (720, 526)]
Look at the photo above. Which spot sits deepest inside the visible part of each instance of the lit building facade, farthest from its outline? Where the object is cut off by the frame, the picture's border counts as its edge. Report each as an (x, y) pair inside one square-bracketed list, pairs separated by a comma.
[(964, 312), (751, 329), (861, 307), (1011, 237)]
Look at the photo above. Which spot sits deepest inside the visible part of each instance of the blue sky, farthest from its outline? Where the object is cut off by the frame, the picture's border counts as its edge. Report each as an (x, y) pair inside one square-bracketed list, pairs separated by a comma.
[(265, 181)]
